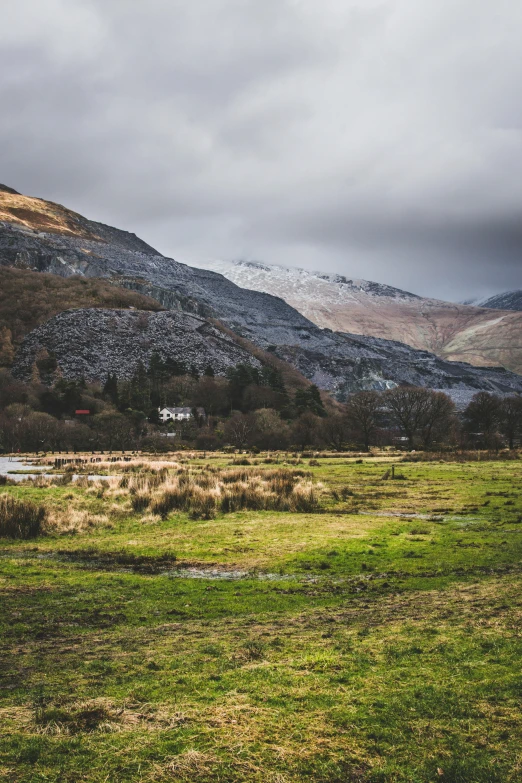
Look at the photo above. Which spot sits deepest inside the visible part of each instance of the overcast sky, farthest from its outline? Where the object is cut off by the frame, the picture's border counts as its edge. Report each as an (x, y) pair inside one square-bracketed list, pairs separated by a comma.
[(377, 138)]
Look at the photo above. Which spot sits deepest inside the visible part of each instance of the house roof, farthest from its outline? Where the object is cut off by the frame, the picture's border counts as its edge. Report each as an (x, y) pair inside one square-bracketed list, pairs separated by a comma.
[(176, 410)]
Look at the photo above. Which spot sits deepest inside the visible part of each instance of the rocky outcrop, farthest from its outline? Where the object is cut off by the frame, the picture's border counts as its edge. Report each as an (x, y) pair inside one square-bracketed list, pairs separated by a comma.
[(359, 363), (91, 343)]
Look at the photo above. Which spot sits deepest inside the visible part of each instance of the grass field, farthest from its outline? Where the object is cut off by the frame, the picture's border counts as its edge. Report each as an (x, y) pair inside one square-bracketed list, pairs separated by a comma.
[(373, 639)]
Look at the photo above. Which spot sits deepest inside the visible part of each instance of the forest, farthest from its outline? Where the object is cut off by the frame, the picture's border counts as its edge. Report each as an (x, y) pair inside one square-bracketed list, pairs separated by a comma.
[(249, 408)]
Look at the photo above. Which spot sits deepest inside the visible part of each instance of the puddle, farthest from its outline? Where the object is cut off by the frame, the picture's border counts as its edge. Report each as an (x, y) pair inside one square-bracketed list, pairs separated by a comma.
[(121, 563), (404, 515), (10, 464), (219, 573)]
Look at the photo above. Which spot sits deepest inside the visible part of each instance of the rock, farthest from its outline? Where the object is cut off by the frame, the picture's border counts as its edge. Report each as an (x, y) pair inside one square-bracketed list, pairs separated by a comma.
[(91, 343)]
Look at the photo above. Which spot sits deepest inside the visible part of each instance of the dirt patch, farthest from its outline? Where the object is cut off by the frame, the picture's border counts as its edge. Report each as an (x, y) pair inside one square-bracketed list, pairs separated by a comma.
[(86, 717)]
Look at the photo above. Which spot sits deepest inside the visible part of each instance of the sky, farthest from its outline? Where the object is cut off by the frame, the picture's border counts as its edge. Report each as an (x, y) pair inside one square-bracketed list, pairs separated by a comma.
[(380, 139)]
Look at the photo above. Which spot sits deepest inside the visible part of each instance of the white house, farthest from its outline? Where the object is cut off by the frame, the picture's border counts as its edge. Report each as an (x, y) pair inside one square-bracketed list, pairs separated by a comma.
[(175, 414), (179, 414)]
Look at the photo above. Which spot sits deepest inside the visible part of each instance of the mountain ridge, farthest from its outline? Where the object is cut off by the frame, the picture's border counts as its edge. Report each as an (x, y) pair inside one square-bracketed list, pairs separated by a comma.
[(508, 300), (337, 362), (453, 331)]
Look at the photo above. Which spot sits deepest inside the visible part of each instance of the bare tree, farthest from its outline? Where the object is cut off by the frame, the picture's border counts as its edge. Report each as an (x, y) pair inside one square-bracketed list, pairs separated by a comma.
[(239, 429), (438, 417), (482, 417), (40, 431), (362, 413), (511, 418), (304, 430), (407, 407), (334, 431), (270, 431), (113, 430)]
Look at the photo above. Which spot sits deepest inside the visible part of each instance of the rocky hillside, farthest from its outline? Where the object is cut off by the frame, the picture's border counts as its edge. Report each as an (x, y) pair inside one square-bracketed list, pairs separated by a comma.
[(90, 343), (456, 332), (335, 362), (509, 300), (37, 216), (28, 299)]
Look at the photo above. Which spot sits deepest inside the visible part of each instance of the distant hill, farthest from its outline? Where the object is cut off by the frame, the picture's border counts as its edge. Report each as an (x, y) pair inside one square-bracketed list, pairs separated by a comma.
[(456, 332), (510, 300)]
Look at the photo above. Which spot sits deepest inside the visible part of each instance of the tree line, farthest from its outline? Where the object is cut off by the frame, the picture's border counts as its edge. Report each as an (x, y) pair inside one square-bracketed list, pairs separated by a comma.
[(250, 408)]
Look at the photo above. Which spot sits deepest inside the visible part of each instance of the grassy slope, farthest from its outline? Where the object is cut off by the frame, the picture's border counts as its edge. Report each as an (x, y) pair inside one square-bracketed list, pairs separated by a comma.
[(387, 649), (28, 299)]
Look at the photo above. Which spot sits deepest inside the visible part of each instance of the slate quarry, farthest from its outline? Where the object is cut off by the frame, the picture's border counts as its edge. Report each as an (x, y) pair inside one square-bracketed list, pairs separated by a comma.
[(91, 343)]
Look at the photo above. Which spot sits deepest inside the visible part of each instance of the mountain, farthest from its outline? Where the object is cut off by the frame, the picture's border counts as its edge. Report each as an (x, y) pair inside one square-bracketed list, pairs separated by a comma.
[(452, 331), (509, 300), (42, 236)]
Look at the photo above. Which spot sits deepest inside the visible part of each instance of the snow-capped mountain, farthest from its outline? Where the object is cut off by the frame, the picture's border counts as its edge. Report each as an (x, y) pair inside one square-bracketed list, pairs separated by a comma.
[(452, 331), (509, 300)]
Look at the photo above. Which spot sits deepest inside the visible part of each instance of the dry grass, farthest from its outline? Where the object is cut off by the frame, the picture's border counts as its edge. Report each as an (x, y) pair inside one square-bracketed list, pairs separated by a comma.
[(203, 494), (87, 716), (21, 518), (72, 521), (191, 764)]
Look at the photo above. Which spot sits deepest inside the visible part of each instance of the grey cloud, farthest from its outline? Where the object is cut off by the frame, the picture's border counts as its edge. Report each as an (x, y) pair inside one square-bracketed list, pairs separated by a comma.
[(381, 139)]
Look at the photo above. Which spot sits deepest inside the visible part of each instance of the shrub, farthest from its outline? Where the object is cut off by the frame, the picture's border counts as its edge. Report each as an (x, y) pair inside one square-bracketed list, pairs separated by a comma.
[(175, 499), (202, 504), (140, 502), (20, 518), (63, 480)]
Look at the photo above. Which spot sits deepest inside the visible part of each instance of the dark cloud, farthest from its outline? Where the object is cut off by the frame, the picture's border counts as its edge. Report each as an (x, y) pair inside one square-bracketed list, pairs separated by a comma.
[(381, 139)]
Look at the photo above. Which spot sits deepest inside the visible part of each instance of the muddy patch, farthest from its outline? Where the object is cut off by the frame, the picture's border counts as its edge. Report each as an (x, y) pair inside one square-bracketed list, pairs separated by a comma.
[(403, 515), (162, 565)]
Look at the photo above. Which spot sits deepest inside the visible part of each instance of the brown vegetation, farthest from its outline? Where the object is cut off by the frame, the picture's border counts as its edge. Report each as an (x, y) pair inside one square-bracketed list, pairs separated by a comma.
[(28, 299), (40, 215), (20, 518), (205, 493)]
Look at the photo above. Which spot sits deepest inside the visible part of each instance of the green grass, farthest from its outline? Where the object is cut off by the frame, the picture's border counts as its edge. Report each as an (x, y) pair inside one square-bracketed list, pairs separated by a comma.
[(382, 649)]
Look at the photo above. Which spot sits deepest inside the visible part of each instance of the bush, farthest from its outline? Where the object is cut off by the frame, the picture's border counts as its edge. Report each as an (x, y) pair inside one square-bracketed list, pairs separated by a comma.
[(20, 518), (140, 502)]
